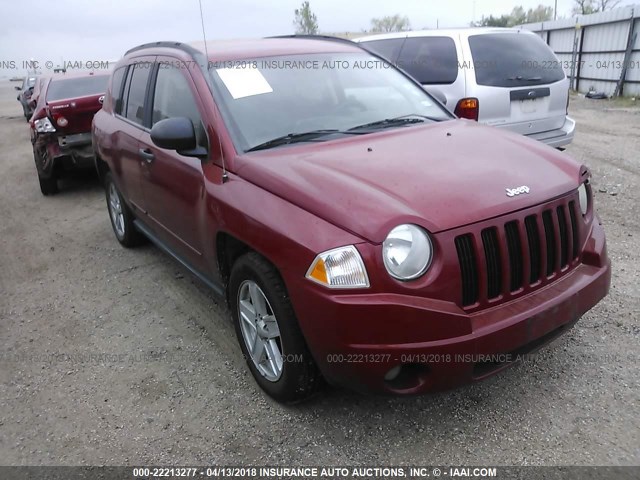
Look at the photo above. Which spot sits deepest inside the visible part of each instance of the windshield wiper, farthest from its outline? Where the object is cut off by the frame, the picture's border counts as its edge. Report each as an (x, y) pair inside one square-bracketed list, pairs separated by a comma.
[(298, 137), (520, 77), (396, 121), (313, 134), (292, 138)]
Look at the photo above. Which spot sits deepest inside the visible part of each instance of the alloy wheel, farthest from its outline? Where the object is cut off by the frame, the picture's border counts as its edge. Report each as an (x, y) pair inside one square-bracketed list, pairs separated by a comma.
[(260, 330)]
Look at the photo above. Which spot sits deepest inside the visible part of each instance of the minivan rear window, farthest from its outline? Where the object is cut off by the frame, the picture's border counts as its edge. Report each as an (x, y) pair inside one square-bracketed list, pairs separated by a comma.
[(77, 87), (513, 60), (430, 60)]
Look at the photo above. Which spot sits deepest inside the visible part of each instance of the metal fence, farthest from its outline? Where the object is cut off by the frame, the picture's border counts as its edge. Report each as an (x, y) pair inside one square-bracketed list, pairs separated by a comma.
[(598, 52)]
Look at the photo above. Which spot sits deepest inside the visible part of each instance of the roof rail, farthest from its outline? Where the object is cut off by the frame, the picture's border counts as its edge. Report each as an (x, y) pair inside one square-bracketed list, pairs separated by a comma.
[(177, 45), (317, 37)]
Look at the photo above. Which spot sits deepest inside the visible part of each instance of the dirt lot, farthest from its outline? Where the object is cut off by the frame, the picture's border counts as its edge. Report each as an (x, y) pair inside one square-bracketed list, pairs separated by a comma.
[(114, 356)]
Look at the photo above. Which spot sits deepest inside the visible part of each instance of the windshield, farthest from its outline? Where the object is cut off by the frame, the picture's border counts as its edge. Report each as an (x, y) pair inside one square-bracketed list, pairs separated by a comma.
[(268, 98), (77, 87)]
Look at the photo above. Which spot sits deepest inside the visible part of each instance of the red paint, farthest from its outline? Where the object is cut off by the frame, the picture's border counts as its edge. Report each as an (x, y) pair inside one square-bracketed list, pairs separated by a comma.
[(68, 116), (289, 204)]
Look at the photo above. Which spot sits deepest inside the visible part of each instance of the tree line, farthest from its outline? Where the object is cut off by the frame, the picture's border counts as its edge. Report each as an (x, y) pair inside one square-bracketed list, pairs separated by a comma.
[(306, 22)]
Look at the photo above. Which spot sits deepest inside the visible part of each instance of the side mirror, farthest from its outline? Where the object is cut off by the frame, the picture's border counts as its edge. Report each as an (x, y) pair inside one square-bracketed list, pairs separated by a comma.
[(437, 94), (17, 88), (177, 134)]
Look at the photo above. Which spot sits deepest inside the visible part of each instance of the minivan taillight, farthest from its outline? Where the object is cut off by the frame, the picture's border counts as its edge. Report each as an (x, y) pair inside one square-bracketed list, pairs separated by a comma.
[(468, 108)]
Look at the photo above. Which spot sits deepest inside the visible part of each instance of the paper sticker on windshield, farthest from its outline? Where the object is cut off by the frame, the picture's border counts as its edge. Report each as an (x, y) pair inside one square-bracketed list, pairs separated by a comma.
[(244, 81)]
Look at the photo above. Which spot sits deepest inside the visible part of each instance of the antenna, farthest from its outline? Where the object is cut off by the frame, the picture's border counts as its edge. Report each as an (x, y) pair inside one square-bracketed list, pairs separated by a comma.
[(204, 35), (225, 177)]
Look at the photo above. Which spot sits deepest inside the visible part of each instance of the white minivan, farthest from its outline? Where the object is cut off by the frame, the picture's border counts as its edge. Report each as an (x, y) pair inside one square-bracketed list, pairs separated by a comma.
[(502, 77)]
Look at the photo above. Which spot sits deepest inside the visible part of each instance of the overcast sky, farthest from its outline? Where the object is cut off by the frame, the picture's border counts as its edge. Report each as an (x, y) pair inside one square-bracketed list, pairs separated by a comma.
[(81, 30)]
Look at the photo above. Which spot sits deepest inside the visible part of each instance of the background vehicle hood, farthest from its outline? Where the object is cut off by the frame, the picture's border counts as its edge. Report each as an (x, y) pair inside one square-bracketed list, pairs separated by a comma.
[(440, 176)]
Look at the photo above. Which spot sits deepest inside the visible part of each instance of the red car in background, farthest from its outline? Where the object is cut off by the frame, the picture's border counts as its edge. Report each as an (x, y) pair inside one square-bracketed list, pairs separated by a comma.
[(61, 125), (359, 231)]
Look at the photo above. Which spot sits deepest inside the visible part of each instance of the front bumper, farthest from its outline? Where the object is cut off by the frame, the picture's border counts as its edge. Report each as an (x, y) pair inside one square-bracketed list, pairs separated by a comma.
[(352, 336)]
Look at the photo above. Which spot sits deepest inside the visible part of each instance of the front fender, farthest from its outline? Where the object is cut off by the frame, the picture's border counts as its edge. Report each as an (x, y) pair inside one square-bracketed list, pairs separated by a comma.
[(285, 234)]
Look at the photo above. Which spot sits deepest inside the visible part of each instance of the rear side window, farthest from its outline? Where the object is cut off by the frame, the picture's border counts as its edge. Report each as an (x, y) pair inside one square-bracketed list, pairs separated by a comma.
[(430, 60), (513, 60), (173, 98), (116, 89), (77, 87), (137, 92), (387, 49)]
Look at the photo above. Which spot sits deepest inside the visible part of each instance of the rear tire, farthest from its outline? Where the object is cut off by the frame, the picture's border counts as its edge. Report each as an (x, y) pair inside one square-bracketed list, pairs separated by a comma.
[(268, 331), (48, 186), (121, 216)]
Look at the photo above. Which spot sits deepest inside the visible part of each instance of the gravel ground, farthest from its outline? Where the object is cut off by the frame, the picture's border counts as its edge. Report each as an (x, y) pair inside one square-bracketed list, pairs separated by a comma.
[(113, 356)]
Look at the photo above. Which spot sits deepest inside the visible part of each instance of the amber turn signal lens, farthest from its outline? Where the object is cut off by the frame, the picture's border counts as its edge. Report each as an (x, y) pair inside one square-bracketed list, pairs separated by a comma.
[(319, 272), (339, 268)]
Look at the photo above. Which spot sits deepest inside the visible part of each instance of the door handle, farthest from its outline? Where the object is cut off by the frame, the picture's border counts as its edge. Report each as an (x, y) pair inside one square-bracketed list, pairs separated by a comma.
[(147, 155)]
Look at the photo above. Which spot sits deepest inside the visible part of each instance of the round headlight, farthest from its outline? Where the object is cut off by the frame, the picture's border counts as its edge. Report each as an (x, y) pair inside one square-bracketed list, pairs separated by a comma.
[(583, 198), (407, 252)]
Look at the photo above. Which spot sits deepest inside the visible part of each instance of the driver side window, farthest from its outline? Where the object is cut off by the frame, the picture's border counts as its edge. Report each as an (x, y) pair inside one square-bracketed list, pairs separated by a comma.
[(173, 98)]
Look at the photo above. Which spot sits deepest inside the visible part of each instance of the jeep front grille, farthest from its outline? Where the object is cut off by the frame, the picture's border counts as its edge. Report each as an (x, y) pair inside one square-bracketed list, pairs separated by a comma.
[(504, 258)]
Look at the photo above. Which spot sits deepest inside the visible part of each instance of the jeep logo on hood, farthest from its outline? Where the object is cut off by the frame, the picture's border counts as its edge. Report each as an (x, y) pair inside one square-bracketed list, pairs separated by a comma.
[(512, 192)]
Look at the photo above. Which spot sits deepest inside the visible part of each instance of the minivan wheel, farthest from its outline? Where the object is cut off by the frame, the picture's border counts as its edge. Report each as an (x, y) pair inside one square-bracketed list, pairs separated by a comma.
[(120, 215), (268, 331)]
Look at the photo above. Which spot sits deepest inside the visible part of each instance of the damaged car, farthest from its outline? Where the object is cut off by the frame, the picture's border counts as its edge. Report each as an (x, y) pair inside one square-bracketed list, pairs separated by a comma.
[(61, 126)]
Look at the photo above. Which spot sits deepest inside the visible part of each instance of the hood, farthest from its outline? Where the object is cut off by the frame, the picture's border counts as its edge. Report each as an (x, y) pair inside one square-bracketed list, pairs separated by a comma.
[(440, 176)]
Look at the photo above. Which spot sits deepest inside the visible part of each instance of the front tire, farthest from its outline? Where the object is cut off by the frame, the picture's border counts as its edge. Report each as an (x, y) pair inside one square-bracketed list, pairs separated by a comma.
[(121, 216), (268, 331)]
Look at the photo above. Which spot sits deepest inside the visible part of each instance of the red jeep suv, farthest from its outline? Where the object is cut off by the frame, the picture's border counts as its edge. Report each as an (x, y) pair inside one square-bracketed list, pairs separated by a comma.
[(61, 125), (360, 233)]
